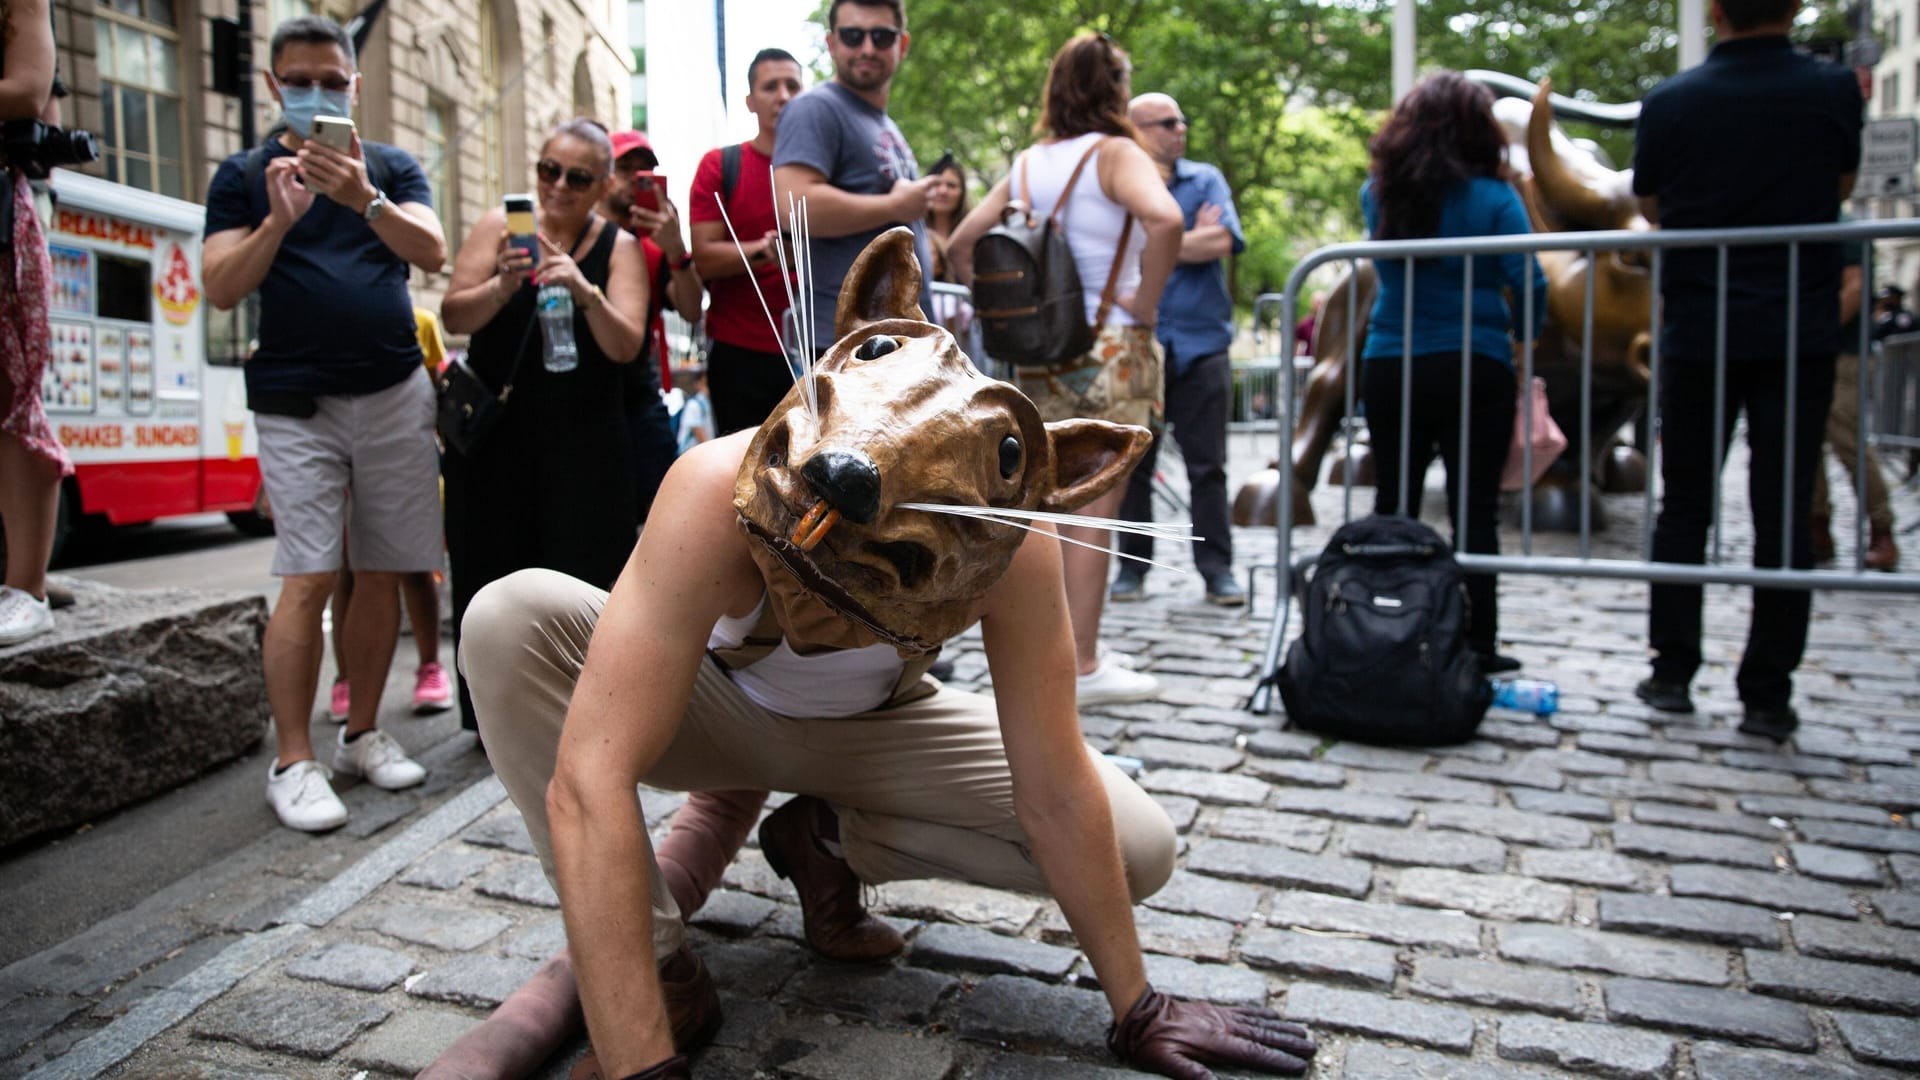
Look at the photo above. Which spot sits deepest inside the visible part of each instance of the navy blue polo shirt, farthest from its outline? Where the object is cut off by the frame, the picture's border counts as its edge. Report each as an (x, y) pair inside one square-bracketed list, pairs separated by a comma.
[(1196, 311), (1757, 135), (335, 313)]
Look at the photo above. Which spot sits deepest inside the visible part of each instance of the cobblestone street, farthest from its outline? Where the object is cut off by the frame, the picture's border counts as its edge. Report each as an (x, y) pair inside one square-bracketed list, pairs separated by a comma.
[(1607, 891)]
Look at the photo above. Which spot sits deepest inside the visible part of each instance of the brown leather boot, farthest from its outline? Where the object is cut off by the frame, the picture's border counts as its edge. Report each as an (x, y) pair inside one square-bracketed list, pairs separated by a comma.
[(693, 1006), (1822, 539), (837, 925), (1882, 553), (707, 834)]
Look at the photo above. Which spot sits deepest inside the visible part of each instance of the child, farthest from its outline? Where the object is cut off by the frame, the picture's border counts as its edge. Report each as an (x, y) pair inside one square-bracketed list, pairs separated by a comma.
[(694, 424)]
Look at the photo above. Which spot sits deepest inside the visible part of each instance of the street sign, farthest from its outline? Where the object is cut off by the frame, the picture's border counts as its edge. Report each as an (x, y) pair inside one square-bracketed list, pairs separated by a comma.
[(1888, 155)]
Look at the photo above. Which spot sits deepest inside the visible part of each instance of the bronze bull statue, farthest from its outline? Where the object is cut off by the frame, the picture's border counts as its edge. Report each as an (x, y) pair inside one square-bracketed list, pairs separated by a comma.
[(1565, 189)]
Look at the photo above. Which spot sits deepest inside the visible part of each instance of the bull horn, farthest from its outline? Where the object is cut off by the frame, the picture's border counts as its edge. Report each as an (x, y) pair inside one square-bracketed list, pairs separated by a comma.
[(1572, 198)]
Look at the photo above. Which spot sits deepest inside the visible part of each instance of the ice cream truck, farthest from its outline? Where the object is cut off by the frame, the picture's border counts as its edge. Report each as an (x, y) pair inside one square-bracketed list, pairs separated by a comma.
[(150, 406)]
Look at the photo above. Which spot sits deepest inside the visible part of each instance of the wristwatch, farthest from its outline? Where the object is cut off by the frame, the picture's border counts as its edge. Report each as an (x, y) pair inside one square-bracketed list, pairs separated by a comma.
[(375, 208), (683, 262)]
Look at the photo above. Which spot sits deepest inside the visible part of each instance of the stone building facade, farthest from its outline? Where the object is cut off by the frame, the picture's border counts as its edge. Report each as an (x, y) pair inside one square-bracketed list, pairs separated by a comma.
[(466, 86)]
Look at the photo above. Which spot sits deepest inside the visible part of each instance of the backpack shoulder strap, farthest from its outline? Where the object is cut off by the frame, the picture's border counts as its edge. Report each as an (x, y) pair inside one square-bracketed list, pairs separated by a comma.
[(730, 157), (1107, 298), (1073, 178)]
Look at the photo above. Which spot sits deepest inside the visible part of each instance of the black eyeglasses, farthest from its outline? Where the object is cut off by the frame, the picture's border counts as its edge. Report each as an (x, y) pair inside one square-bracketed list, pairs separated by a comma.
[(1170, 123), (882, 37), (336, 83), (549, 170)]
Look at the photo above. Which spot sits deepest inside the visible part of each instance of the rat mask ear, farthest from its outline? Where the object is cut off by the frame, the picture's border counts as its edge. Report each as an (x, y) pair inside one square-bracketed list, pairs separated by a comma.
[(884, 283), (1089, 458)]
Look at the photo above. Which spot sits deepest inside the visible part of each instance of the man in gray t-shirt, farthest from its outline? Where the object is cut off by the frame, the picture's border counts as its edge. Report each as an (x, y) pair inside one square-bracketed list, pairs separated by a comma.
[(837, 148)]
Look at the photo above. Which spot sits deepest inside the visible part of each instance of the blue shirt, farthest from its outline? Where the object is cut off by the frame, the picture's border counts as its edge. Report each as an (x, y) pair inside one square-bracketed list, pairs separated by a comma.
[(335, 313), (1483, 206), (1196, 311)]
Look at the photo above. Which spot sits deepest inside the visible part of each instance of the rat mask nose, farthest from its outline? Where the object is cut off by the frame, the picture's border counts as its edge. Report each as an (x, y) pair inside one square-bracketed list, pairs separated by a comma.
[(848, 480)]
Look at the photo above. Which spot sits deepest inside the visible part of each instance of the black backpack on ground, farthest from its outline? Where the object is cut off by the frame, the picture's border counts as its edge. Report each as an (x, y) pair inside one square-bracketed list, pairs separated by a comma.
[(1382, 655), (1026, 288)]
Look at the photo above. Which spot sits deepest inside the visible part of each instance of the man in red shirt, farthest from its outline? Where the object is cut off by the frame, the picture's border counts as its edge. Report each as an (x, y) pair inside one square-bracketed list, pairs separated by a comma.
[(671, 276), (747, 373)]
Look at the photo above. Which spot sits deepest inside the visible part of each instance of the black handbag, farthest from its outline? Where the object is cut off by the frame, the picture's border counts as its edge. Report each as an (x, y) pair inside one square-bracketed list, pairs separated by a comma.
[(467, 411)]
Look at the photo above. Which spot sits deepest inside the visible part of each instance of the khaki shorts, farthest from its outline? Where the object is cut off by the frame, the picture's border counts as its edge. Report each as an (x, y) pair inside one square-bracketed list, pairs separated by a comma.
[(379, 447), (1120, 379)]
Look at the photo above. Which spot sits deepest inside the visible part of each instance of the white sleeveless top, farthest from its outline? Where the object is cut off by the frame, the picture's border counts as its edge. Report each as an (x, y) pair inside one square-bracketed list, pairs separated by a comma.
[(845, 682), (1092, 220)]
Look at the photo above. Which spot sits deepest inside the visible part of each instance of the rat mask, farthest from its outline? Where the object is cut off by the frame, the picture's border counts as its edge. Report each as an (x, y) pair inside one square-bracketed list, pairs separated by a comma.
[(898, 414)]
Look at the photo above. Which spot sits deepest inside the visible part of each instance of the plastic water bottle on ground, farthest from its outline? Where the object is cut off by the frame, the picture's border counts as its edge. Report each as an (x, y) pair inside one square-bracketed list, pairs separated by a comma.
[(556, 328), (1537, 696)]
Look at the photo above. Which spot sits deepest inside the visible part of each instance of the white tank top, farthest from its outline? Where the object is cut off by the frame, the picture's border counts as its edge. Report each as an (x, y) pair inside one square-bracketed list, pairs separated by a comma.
[(844, 682), (1092, 220)]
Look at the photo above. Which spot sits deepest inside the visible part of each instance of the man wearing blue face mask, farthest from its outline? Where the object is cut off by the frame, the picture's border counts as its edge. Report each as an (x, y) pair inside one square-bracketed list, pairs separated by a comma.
[(342, 404)]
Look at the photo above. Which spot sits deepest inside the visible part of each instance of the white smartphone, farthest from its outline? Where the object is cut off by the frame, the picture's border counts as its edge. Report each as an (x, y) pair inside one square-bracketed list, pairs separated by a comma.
[(334, 131)]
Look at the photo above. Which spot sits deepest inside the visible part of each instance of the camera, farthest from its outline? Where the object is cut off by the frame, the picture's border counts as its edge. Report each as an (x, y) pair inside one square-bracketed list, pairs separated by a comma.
[(35, 148)]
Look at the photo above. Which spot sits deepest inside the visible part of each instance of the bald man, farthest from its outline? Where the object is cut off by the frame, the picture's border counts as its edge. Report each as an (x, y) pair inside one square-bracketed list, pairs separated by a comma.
[(1195, 328)]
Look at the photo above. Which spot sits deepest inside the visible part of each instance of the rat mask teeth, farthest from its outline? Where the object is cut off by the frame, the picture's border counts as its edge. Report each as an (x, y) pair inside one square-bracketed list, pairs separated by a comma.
[(813, 528)]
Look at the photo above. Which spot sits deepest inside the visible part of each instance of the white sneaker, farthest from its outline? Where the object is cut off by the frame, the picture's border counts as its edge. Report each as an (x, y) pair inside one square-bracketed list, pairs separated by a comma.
[(21, 616), (379, 758), (303, 798), (1111, 684)]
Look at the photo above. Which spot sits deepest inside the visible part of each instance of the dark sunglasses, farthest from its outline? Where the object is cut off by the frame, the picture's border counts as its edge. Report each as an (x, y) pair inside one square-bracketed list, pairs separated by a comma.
[(336, 83), (1170, 123), (853, 36), (549, 172)]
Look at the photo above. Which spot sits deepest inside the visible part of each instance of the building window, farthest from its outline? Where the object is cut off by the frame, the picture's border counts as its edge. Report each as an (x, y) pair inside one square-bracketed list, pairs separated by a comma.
[(492, 149), (637, 41), (143, 122), (1890, 94), (440, 172), (281, 10)]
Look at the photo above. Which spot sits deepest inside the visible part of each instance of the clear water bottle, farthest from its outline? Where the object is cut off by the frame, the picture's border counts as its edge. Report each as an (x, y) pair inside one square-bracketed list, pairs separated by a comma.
[(1538, 696), (556, 328)]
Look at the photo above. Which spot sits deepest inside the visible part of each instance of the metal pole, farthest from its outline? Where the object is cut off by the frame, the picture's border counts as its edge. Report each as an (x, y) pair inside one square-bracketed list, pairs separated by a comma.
[(1403, 42), (243, 71)]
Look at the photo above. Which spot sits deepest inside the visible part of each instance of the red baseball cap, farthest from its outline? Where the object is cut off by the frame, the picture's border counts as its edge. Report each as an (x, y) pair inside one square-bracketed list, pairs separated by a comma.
[(625, 142)]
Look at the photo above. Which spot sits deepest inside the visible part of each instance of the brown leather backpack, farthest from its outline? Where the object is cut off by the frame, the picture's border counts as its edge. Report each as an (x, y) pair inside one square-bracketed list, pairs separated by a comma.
[(1026, 287)]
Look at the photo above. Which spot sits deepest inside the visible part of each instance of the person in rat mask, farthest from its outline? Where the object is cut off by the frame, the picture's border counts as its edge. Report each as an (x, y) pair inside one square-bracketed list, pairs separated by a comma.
[(771, 635)]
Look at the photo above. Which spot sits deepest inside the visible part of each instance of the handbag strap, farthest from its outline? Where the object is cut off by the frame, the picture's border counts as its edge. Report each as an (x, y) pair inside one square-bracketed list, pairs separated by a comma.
[(1059, 208)]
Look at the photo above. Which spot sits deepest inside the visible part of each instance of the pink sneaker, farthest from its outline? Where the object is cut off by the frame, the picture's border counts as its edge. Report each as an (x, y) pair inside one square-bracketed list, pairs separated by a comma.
[(432, 689), (338, 702)]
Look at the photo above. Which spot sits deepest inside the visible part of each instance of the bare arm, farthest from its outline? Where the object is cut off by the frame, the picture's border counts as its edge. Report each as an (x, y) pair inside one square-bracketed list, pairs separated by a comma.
[(619, 325), (684, 287), (833, 212), (1059, 800), (687, 570), (716, 257), (486, 274), (1129, 177), (1849, 301), (975, 225), (233, 262), (28, 84), (1208, 240), (410, 230)]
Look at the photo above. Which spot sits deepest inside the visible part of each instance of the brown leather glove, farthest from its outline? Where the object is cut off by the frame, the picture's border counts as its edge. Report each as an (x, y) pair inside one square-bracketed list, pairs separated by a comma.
[(1181, 1038)]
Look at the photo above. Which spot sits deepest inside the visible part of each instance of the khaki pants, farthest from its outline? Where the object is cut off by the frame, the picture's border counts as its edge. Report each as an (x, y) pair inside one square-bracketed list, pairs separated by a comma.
[(923, 790), (1843, 435)]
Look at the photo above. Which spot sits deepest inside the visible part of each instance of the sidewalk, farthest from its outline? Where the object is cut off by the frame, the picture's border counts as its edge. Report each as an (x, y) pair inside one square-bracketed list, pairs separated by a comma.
[(1609, 891)]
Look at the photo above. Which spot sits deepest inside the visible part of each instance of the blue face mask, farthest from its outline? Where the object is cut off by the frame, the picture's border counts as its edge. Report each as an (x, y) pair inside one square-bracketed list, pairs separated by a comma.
[(301, 104)]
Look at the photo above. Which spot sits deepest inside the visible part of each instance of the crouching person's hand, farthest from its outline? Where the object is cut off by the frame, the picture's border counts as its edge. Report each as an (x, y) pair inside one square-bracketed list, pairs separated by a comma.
[(1181, 1038)]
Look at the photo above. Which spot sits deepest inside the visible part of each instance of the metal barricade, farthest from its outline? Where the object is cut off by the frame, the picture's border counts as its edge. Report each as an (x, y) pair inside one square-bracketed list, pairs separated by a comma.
[(1896, 393), (953, 309), (1392, 256)]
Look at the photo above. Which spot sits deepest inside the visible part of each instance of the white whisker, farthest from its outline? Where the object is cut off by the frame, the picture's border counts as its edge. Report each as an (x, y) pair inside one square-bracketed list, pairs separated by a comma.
[(806, 259), (765, 308), (1178, 532), (804, 347), (1012, 523)]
